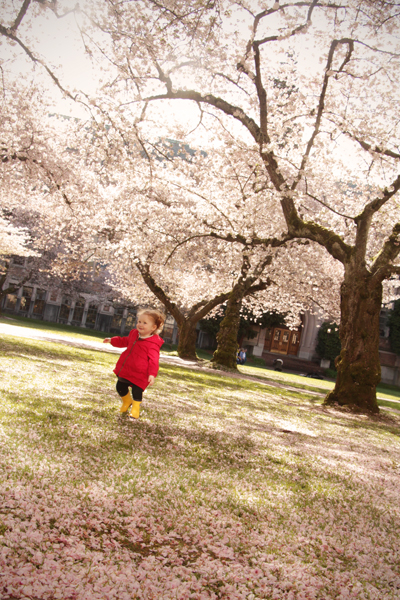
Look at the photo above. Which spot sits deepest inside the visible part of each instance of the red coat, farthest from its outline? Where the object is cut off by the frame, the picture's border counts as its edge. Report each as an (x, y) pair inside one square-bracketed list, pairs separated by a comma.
[(140, 359)]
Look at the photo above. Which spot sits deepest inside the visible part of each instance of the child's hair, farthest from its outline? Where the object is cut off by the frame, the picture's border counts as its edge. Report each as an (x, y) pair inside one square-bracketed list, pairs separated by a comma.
[(156, 315)]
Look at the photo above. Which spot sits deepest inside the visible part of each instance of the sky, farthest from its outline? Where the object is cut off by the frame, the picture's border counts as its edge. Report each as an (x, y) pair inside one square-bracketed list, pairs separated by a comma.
[(60, 44)]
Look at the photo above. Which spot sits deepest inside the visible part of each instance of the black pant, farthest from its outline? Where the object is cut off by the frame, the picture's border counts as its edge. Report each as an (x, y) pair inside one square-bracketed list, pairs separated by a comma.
[(123, 386)]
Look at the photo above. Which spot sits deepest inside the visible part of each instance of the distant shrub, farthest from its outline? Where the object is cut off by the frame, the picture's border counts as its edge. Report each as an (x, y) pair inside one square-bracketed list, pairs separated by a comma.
[(256, 360), (328, 344), (331, 373)]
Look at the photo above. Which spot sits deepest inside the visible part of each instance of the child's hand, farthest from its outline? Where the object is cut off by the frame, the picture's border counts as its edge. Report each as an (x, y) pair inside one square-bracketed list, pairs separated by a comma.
[(106, 340), (151, 379)]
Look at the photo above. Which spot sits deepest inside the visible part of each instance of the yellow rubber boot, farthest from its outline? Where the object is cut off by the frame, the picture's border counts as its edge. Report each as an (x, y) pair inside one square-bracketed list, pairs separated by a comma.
[(135, 409), (126, 402)]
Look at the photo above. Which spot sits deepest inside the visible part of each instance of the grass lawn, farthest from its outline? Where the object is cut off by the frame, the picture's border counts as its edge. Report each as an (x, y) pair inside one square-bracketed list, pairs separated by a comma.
[(225, 488), (388, 395)]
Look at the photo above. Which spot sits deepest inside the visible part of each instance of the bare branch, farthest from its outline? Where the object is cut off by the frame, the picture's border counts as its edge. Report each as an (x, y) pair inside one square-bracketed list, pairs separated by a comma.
[(296, 30), (52, 5), (327, 205), (185, 241), (210, 202), (229, 109), (373, 149), (10, 35), (321, 103)]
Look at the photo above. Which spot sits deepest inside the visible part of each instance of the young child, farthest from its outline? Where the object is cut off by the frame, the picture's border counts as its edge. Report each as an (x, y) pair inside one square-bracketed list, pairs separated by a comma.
[(137, 367)]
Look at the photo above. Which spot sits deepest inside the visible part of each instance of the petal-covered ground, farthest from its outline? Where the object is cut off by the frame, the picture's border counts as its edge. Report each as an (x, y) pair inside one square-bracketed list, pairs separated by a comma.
[(225, 488)]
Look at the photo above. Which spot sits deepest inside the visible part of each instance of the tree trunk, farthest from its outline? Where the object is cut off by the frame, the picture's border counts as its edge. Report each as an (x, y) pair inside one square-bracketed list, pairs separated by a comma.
[(3, 293), (358, 364), (186, 324), (225, 354), (187, 340)]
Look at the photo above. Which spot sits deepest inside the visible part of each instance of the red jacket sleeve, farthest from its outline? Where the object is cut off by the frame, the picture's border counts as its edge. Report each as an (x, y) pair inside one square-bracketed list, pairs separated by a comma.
[(119, 342), (154, 359), (122, 342)]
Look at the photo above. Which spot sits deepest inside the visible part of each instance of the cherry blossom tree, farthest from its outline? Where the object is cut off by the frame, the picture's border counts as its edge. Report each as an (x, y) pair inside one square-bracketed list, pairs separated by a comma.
[(169, 216), (312, 87), (189, 279), (43, 177)]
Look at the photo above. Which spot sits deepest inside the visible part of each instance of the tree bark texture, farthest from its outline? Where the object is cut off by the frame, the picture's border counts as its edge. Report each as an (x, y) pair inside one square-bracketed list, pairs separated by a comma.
[(187, 340), (358, 365), (226, 351)]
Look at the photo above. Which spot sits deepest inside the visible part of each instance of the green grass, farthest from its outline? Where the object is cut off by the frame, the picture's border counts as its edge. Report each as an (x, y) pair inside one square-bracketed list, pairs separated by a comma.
[(232, 486), (386, 393)]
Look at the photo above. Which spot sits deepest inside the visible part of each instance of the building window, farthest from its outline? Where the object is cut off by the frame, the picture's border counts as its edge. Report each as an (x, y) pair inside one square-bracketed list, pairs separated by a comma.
[(116, 322), (91, 315), (38, 307), (26, 299), (130, 321), (11, 301), (65, 309), (78, 312), (53, 297)]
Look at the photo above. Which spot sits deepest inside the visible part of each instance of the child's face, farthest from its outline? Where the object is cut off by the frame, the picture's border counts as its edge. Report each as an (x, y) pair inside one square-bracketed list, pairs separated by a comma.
[(146, 325)]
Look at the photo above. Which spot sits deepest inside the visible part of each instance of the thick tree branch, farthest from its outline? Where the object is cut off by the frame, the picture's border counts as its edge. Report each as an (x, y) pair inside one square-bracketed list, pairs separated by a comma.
[(20, 15), (375, 205), (262, 97), (382, 267), (223, 105), (364, 219), (201, 309), (197, 312), (149, 280), (258, 287), (333, 243), (393, 270)]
